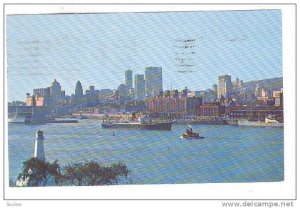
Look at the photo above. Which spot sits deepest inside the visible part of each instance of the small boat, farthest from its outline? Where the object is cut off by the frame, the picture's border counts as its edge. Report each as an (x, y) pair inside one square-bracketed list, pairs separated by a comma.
[(189, 134)]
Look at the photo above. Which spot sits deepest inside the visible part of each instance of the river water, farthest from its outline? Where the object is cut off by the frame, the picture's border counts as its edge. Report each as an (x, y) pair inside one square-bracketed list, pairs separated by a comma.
[(227, 154)]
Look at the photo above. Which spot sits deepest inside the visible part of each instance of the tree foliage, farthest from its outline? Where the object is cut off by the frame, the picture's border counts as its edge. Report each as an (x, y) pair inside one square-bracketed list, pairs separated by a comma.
[(92, 173), (89, 173), (38, 173)]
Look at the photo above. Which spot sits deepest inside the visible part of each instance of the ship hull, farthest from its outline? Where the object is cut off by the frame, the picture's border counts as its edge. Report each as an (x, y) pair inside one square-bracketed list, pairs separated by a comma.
[(258, 124), (18, 119), (233, 122), (156, 126)]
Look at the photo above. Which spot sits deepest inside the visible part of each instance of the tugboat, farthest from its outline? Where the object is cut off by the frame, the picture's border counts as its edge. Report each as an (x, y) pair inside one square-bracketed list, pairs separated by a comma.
[(189, 134)]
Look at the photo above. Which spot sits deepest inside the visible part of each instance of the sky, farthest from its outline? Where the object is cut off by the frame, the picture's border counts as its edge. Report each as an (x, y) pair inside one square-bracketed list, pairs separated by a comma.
[(97, 48)]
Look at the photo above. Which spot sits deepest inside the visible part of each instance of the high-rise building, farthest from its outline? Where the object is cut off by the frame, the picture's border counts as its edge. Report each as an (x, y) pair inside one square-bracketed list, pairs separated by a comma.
[(78, 89), (56, 94), (153, 81), (224, 86), (128, 78), (42, 96), (45, 92), (55, 89), (215, 87), (139, 85), (238, 86), (52, 95), (91, 97), (123, 92)]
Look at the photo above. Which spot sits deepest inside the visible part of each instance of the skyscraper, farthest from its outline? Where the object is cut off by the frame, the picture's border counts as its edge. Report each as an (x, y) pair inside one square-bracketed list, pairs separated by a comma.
[(128, 78), (139, 85), (238, 86), (56, 94), (78, 89), (153, 81), (123, 92), (45, 92), (215, 87), (55, 89), (224, 86)]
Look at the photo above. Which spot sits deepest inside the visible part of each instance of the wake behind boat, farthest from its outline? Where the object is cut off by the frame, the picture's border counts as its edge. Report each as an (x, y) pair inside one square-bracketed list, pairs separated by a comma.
[(144, 123)]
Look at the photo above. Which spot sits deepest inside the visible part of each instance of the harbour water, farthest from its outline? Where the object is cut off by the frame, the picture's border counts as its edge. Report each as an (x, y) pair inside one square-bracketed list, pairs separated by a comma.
[(227, 154)]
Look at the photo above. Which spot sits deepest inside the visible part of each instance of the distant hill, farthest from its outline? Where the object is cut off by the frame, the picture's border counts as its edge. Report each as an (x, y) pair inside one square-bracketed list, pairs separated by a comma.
[(268, 84)]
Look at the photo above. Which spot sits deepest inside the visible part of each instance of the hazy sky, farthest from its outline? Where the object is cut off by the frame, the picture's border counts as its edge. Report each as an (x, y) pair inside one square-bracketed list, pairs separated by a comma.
[(97, 48)]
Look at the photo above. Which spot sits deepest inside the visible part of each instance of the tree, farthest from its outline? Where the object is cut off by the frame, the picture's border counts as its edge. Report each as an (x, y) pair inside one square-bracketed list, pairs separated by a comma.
[(37, 173), (92, 173)]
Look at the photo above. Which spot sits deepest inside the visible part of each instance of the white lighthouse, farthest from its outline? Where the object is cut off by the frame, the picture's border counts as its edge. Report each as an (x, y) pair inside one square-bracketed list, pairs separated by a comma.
[(39, 146), (38, 154)]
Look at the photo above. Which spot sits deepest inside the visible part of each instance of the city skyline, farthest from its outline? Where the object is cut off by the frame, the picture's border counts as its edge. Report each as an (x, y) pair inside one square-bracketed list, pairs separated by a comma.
[(40, 89), (98, 52), (138, 91)]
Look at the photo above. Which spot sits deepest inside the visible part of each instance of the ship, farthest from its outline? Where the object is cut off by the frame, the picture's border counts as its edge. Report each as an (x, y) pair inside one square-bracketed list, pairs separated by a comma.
[(268, 122), (144, 123), (230, 121), (27, 119), (16, 119)]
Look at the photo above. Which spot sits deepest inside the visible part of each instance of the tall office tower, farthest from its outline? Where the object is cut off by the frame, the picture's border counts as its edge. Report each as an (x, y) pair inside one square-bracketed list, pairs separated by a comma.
[(139, 85), (56, 94), (224, 86), (78, 89), (128, 78), (45, 92), (238, 86), (215, 87), (42, 96), (153, 81), (55, 89)]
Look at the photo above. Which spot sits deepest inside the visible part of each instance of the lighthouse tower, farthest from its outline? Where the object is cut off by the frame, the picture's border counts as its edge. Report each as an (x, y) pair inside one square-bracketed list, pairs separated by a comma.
[(39, 146)]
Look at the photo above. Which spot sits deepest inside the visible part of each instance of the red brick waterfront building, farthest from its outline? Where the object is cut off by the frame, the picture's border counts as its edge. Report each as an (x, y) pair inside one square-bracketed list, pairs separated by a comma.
[(171, 105), (253, 112), (212, 109)]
